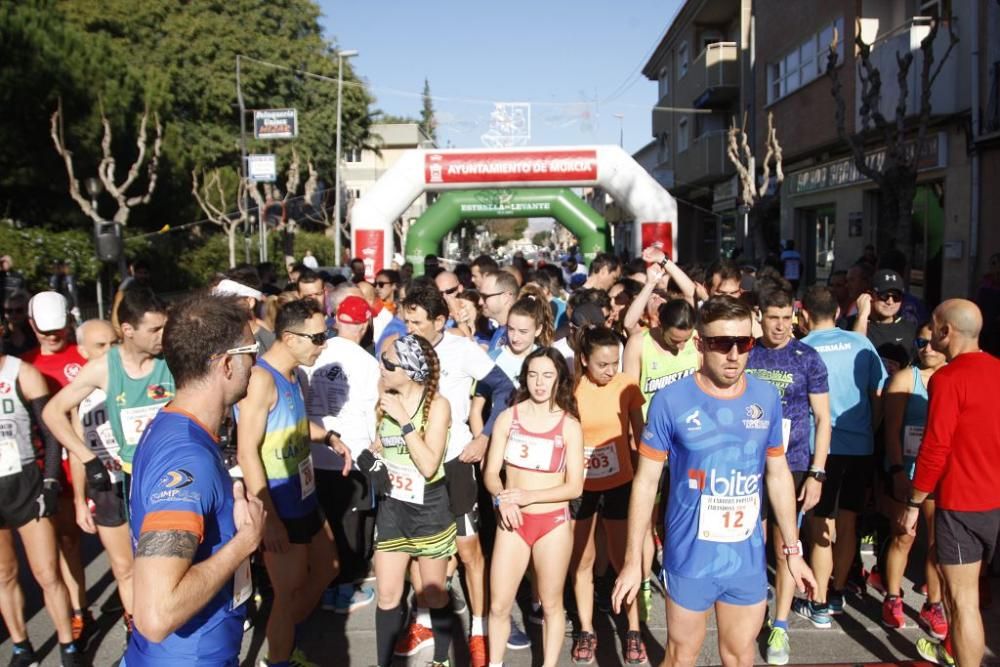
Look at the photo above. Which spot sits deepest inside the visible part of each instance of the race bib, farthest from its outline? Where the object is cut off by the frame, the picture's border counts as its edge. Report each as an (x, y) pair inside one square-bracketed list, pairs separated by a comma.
[(786, 432), (525, 451), (307, 477), (728, 518), (407, 483), (10, 458), (242, 584), (135, 420), (600, 462), (912, 437)]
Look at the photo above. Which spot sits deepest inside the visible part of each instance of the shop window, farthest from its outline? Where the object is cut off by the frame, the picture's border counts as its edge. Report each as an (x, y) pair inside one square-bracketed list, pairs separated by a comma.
[(683, 135), (682, 60)]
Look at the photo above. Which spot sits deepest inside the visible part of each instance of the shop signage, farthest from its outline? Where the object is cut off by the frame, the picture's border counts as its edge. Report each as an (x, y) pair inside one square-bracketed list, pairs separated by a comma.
[(275, 124)]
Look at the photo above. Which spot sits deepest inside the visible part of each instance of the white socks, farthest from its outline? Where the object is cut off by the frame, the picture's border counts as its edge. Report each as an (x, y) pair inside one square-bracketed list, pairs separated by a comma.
[(477, 626), (424, 616)]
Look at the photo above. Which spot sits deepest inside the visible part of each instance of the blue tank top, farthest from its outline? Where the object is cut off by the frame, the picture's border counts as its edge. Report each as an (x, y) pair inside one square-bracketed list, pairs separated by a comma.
[(914, 420)]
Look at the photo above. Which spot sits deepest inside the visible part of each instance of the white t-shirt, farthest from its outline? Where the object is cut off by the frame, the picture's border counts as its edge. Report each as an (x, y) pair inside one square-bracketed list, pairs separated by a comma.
[(510, 363), (462, 363), (379, 322), (341, 392)]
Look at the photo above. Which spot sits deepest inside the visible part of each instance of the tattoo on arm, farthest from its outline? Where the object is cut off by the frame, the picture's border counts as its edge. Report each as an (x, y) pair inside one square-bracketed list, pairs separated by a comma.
[(168, 543)]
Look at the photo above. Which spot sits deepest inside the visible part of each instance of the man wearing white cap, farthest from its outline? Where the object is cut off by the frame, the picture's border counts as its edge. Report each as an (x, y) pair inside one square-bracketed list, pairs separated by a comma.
[(245, 283), (60, 362), (341, 392)]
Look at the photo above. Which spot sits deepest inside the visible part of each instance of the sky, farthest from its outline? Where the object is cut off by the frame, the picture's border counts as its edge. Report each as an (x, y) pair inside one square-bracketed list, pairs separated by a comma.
[(577, 62)]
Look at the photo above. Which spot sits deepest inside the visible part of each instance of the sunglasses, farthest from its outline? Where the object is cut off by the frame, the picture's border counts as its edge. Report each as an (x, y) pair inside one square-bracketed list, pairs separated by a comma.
[(452, 290), (252, 348), (921, 343), (389, 366), (723, 344), (886, 297), (316, 339), (487, 295)]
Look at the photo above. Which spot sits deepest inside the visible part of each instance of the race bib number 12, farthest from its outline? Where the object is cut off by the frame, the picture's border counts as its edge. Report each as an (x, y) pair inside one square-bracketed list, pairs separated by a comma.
[(728, 518)]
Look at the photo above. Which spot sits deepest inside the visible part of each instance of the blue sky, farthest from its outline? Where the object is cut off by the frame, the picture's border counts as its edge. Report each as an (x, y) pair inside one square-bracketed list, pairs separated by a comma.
[(577, 62)]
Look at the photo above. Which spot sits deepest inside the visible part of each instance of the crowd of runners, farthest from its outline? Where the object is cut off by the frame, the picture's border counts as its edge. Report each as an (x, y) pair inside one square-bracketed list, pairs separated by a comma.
[(458, 444)]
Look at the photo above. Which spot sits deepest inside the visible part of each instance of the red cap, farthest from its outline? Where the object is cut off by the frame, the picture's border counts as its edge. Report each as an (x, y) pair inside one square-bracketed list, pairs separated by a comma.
[(354, 310)]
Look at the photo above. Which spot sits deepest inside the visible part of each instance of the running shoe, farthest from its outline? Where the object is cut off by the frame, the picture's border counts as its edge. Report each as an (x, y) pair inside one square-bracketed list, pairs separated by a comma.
[(645, 600), (299, 659), (778, 649), (933, 619), (433, 663), (83, 628), (477, 651), (868, 543), (875, 581), (23, 658), (518, 639), (892, 612), (932, 651), (328, 602), (835, 600), (584, 648), (817, 614), (416, 639), (348, 599), (635, 650), (70, 656)]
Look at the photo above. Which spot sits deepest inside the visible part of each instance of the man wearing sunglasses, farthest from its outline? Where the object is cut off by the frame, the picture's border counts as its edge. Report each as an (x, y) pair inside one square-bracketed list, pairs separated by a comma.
[(855, 375), (879, 318), (500, 290), (721, 430)]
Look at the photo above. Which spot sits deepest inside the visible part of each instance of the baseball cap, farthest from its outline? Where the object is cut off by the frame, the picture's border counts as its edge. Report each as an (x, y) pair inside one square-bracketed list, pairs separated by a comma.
[(887, 279), (354, 310), (48, 310)]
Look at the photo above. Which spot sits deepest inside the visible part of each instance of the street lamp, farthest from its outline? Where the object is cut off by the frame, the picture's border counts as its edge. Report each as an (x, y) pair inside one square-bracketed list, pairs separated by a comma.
[(94, 189), (621, 129), (349, 53)]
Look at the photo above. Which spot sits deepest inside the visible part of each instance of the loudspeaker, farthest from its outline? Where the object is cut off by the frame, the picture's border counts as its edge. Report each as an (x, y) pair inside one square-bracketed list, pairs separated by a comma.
[(109, 245)]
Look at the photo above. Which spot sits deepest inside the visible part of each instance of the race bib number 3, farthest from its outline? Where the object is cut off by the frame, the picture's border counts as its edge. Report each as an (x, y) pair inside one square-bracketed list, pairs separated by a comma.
[(728, 518), (530, 453), (10, 458), (407, 483), (912, 437), (307, 477), (600, 462), (135, 420)]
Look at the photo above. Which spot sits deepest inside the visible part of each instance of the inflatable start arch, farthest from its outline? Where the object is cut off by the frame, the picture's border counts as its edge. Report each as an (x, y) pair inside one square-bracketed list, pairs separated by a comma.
[(420, 170)]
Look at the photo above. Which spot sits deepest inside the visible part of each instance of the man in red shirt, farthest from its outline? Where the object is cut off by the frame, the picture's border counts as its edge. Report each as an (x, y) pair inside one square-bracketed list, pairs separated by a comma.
[(59, 361), (959, 462)]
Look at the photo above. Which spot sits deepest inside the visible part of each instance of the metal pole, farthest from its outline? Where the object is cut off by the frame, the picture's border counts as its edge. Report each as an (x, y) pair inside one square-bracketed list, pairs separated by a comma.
[(100, 267), (337, 255), (243, 152)]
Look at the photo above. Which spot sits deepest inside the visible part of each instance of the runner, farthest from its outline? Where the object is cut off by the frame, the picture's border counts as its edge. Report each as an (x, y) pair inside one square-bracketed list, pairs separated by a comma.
[(605, 270), (310, 286), (879, 318), (855, 376), (194, 528), (341, 392), (959, 461), (273, 435), (498, 292), (721, 430), (905, 421), (799, 374), (660, 356), (110, 517), (415, 521), (28, 499), (58, 359), (528, 326), (611, 416), (538, 444), (462, 363), (133, 374)]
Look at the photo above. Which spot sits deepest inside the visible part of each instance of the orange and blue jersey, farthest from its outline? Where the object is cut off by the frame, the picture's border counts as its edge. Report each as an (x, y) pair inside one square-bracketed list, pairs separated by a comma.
[(286, 452), (180, 483), (717, 450)]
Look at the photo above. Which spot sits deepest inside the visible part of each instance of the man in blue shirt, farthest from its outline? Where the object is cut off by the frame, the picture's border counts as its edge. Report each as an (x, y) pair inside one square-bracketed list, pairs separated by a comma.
[(855, 375), (193, 529), (499, 292), (721, 430), (799, 374)]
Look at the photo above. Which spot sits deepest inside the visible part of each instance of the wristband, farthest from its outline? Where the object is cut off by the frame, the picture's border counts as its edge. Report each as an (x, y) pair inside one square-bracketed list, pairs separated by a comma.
[(913, 504), (793, 550), (326, 440), (496, 501), (408, 428)]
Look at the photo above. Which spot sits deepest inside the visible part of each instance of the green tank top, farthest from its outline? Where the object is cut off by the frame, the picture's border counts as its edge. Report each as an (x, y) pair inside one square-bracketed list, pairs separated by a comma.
[(659, 368), (133, 402), (394, 448)]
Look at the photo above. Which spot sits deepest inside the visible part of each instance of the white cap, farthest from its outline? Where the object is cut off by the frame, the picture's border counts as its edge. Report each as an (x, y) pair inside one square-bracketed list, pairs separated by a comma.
[(48, 310), (227, 287)]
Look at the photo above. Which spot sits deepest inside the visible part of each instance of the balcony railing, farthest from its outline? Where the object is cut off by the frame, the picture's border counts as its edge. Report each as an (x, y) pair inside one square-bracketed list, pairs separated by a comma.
[(715, 75), (705, 159)]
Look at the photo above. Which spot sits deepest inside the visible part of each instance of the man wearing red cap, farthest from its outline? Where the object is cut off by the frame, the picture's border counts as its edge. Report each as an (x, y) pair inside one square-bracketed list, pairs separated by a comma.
[(341, 392)]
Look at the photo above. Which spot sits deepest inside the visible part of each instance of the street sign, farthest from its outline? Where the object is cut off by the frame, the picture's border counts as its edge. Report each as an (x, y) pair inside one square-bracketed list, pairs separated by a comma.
[(262, 168), (275, 124)]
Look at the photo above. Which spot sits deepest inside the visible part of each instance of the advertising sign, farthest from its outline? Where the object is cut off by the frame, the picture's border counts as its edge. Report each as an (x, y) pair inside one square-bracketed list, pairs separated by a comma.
[(262, 168), (519, 166), (659, 232), (368, 246), (275, 124)]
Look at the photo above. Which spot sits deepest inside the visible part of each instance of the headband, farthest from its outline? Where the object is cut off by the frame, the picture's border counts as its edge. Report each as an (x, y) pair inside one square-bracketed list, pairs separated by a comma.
[(412, 359)]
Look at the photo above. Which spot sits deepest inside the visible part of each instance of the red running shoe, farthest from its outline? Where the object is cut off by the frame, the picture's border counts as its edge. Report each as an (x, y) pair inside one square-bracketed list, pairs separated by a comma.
[(477, 651), (416, 639), (933, 619)]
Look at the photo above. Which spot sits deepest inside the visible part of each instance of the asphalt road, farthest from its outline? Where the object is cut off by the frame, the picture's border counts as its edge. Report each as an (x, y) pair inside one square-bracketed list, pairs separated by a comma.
[(345, 641)]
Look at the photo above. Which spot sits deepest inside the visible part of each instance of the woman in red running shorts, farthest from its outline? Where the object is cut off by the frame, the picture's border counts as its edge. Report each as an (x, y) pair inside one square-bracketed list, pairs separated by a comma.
[(539, 445)]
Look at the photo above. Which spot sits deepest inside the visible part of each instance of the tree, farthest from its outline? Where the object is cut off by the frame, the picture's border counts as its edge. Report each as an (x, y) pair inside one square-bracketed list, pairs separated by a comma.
[(896, 177), (756, 197), (106, 170), (541, 239), (428, 123)]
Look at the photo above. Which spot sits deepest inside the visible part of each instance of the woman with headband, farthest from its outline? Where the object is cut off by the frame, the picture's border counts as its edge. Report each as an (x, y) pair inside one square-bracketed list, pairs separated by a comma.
[(415, 521)]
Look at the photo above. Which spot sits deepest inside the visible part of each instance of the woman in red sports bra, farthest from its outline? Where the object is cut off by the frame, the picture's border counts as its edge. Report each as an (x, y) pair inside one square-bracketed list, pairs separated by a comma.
[(538, 445)]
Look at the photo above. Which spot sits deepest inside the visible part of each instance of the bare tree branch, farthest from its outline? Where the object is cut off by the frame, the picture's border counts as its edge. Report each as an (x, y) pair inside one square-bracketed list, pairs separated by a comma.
[(74, 185)]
